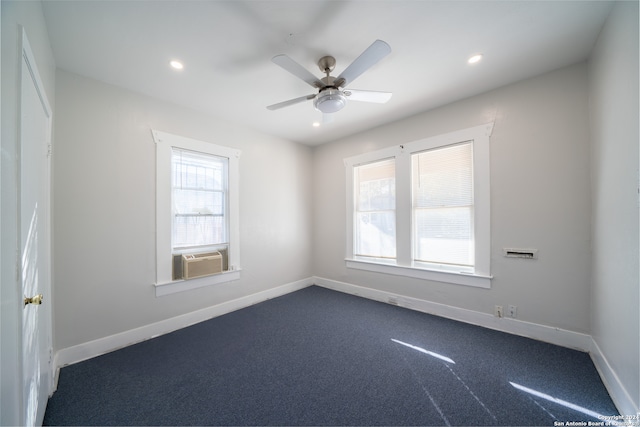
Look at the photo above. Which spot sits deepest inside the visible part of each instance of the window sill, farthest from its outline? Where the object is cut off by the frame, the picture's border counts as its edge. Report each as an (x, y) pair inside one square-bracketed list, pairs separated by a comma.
[(176, 286), (467, 279)]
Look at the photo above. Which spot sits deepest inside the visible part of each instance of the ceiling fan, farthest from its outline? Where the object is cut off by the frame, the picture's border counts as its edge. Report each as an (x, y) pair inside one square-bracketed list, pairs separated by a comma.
[(332, 95)]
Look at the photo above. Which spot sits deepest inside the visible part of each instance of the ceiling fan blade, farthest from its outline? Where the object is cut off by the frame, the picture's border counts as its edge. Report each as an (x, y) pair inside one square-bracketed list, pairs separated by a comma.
[(290, 102), (367, 95), (362, 63), (297, 70)]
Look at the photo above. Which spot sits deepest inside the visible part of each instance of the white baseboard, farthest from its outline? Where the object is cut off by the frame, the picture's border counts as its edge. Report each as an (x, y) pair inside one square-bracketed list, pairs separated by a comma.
[(548, 334), (88, 350), (619, 394)]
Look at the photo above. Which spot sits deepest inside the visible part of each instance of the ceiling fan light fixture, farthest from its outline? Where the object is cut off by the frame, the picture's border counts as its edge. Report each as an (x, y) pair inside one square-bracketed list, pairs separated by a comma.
[(330, 101)]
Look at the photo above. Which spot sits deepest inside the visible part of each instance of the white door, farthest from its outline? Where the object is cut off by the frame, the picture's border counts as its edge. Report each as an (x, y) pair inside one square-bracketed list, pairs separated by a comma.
[(35, 238)]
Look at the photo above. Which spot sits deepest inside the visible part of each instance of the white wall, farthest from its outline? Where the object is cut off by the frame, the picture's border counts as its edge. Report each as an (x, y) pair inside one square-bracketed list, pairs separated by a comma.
[(613, 91), (539, 199), (104, 210), (29, 15)]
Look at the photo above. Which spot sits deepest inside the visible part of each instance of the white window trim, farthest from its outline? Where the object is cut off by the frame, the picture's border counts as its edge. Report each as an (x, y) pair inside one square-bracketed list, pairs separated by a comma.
[(403, 265), (165, 284)]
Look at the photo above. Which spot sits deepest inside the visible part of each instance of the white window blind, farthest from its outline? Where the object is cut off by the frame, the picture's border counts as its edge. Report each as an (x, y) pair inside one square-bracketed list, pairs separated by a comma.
[(199, 199), (443, 205), (375, 219)]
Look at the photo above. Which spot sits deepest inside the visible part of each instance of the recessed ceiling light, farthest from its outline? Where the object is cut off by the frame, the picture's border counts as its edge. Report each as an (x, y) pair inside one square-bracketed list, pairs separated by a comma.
[(316, 124), (474, 59), (176, 64)]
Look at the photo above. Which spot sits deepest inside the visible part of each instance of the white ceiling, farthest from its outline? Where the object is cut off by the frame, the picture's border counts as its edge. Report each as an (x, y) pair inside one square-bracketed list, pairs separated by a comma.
[(227, 46)]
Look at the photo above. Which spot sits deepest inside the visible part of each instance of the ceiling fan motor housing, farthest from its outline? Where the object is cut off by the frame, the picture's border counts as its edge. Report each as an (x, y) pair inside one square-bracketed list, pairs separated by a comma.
[(330, 100)]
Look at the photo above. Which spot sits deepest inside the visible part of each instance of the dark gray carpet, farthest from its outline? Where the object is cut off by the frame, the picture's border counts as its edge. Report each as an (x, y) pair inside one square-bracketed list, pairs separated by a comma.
[(320, 357)]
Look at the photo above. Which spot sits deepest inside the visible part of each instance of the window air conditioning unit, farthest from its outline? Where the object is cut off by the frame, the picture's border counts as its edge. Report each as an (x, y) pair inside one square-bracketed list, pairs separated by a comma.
[(203, 264)]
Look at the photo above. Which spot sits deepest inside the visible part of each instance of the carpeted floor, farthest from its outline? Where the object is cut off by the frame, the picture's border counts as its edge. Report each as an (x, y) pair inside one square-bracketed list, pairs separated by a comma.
[(320, 357)]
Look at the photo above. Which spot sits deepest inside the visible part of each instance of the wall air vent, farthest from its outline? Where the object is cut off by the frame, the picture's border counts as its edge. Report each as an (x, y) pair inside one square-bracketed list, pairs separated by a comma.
[(203, 264), (520, 253)]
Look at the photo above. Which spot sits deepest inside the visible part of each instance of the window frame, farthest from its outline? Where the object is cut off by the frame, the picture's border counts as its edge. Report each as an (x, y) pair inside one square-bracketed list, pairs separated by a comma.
[(404, 264), (165, 142)]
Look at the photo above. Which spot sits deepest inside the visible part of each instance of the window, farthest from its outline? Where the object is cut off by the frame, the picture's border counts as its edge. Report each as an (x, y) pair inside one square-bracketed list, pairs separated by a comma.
[(199, 200), (442, 188), (422, 209), (196, 209), (375, 217)]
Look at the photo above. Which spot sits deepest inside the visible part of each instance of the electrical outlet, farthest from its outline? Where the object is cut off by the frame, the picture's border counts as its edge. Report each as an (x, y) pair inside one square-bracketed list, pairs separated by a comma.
[(497, 311), (513, 311)]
